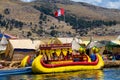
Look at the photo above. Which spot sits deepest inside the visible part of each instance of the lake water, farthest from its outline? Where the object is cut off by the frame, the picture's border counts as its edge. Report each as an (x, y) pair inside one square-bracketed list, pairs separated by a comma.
[(105, 74)]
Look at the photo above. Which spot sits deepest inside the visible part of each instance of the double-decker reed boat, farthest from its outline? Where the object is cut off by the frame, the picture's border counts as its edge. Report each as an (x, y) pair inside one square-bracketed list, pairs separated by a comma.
[(60, 58)]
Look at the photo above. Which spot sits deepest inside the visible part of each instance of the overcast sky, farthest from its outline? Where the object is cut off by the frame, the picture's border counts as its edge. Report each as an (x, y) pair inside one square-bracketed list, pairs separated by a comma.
[(103, 3)]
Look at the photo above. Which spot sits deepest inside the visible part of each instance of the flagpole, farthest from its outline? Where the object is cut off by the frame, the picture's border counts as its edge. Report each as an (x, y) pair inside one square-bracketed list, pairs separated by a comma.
[(64, 17), (76, 23), (65, 22)]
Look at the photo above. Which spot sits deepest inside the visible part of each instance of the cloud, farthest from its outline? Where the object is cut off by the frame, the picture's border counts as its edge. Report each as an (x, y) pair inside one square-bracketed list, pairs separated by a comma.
[(103, 3), (88, 1), (94, 2), (99, 1), (27, 0), (113, 5)]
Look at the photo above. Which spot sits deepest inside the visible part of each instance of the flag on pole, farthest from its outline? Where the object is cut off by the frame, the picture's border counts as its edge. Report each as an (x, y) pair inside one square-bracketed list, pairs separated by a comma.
[(59, 12)]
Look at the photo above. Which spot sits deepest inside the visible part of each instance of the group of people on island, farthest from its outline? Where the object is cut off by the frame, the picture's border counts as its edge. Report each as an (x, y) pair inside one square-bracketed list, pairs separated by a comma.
[(75, 55), (82, 54)]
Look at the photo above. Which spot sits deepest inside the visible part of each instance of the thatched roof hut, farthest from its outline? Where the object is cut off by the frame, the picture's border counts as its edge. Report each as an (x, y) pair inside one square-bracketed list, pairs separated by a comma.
[(69, 40), (19, 48)]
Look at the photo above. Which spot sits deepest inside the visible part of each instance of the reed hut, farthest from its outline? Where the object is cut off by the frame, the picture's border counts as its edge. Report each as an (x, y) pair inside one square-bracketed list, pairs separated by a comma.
[(17, 49), (114, 46), (69, 40), (3, 45)]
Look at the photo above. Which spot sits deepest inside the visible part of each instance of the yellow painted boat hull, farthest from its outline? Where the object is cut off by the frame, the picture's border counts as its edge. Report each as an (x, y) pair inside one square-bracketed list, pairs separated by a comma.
[(37, 67), (24, 61)]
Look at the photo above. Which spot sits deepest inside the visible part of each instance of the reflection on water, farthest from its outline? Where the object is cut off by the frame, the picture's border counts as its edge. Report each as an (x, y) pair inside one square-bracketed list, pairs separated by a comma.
[(106, 74), (93, 74)]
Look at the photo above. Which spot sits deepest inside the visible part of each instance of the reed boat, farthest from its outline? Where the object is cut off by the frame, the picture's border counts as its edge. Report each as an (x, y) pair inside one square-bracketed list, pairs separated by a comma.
[(23, 70), (25, 61), (59, 58)]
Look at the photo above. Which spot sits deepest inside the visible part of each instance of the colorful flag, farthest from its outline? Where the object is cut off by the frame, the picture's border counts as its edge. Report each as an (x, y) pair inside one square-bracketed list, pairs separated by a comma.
[(59, 12)]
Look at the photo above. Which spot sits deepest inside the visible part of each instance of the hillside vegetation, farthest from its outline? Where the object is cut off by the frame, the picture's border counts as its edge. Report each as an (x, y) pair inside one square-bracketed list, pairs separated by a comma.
[(36, 19)]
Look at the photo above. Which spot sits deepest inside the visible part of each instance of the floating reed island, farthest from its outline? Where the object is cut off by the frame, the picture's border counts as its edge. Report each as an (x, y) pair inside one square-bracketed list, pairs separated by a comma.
[(112, 63)]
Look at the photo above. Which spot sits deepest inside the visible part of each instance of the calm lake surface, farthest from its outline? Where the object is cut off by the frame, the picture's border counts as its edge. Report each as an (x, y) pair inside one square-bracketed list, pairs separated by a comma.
[(105, 74)]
